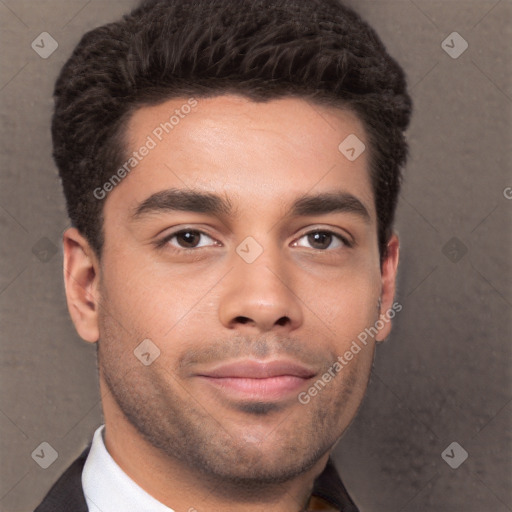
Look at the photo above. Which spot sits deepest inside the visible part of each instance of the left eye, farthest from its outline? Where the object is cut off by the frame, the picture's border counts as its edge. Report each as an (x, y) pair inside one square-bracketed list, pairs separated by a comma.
[(323, 240)]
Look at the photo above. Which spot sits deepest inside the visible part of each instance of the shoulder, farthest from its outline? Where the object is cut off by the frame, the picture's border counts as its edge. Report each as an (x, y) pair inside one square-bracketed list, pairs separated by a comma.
[(67, 493), (329, 488)]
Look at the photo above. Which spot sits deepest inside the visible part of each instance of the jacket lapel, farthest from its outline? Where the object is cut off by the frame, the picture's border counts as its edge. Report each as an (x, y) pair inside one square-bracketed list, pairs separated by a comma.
[(67, 494)]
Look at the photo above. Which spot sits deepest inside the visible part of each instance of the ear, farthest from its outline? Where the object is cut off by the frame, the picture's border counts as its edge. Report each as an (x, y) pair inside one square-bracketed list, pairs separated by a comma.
[(81, 280), (388, 277)]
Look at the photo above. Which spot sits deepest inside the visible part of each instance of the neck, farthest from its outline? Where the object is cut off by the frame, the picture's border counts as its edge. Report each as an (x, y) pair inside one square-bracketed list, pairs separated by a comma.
[(181, 487)]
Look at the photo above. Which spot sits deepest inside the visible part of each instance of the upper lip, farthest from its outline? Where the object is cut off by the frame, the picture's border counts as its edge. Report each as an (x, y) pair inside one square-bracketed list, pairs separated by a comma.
[(253, 369)]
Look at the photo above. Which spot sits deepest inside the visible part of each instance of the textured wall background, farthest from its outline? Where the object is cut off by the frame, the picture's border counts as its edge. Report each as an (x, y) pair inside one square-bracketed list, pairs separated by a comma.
[(445, 374)]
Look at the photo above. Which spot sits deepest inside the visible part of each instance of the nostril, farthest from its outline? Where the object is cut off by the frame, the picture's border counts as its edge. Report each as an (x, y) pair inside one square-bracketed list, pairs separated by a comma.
[(241, 319), (283, 320)]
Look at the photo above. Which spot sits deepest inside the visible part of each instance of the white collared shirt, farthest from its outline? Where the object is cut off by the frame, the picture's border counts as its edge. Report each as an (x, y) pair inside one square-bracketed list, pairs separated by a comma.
[(107, 488)]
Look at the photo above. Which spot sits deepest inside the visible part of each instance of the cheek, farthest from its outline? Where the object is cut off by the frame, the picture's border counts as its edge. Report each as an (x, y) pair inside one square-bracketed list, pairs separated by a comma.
[(347, 303), (156, 301), (128, 306)]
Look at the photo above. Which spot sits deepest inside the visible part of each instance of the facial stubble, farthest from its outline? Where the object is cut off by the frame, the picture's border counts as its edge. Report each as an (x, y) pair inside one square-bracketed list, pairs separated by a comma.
[(164, 411)]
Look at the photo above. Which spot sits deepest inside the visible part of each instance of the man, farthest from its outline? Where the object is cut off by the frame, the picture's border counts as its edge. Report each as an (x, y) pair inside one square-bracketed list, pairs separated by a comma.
[(231, 170)]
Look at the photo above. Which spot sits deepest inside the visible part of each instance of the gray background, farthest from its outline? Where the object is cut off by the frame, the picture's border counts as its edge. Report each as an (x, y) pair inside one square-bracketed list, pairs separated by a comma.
[(445, 373)]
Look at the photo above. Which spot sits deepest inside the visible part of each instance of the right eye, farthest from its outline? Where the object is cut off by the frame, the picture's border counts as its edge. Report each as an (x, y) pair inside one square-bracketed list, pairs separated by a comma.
[(187, 239)]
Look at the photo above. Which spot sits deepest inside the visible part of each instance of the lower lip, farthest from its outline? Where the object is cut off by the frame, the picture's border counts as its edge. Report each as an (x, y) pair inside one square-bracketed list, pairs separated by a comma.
[(272, 388)]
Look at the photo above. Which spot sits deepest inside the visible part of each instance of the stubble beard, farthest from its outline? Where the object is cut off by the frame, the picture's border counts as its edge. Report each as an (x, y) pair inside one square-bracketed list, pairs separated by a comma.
[(173, 421)]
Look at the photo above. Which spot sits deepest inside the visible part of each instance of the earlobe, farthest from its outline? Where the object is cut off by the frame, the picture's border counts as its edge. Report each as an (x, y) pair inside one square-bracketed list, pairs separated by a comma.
[(388, 275), (81, 279)]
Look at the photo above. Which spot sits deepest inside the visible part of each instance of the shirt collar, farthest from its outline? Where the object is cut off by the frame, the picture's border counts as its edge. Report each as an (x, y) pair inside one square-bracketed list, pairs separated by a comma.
[(107, 488)]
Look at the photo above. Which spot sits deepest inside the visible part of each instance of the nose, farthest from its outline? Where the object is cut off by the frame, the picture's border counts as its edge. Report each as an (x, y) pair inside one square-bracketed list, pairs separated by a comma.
[(258, 296)]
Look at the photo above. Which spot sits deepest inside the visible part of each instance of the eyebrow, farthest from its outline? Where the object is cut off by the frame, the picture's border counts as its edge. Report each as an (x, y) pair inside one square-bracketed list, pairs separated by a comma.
[(184, 200), (213, 204), (330, 202)]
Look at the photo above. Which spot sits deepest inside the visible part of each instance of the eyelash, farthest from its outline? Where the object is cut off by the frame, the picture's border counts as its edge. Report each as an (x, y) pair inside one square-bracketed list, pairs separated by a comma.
[(165, 241)]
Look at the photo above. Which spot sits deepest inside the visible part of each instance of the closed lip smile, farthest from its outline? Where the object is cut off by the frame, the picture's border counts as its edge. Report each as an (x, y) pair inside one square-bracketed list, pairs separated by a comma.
[(257, 380)]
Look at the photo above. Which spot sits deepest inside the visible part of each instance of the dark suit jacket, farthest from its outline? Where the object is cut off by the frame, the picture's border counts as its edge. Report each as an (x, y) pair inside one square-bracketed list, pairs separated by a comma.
[(67, 495)]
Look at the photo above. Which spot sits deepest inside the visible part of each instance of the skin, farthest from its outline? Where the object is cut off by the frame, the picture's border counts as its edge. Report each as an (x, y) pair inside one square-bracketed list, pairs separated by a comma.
[(181, 439)]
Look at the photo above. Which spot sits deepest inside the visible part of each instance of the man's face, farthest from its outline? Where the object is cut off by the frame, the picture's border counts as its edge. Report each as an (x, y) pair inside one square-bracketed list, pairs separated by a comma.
[(249, 303)]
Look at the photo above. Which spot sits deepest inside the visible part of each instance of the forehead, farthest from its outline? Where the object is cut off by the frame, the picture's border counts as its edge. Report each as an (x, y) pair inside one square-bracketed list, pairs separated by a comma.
[(256, 153)]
